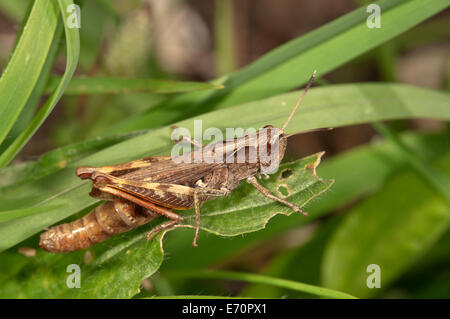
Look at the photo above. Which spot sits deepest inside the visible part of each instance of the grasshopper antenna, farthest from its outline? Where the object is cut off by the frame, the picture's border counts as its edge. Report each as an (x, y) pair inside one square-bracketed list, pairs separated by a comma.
[(311, 131), (310, 82)]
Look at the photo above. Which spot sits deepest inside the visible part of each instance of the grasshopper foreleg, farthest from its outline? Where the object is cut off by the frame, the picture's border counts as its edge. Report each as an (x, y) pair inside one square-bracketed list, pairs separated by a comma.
[(197, 218), (252, 180), (202, 190)]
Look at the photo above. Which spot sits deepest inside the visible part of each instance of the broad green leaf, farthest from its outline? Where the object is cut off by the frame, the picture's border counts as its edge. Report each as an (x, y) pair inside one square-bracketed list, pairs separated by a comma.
[(330, 106), (72, 49), (111, 85), (291, 64), (391, 229)]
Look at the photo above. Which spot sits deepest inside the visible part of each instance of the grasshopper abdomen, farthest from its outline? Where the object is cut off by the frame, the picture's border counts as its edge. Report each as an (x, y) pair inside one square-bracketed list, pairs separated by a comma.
[(108, 219)]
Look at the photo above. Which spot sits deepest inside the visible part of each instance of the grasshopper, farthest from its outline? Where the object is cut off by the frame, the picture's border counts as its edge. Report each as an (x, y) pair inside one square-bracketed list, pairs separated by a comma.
[(136, 192)]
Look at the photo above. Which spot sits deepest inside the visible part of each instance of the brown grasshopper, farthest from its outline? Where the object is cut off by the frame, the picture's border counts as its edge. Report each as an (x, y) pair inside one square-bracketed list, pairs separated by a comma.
[(136, 192)]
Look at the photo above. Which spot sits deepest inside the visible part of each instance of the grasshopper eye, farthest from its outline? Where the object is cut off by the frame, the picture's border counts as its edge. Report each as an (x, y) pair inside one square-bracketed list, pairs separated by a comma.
[(85, 175)]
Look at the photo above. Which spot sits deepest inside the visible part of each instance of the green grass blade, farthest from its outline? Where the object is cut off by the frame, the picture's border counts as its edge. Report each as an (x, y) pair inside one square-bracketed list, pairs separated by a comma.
[(33, 101), (225, 51), (112, 85), (26, 63), (256, 278), (195, 297), (73, 50), (8, 215)]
